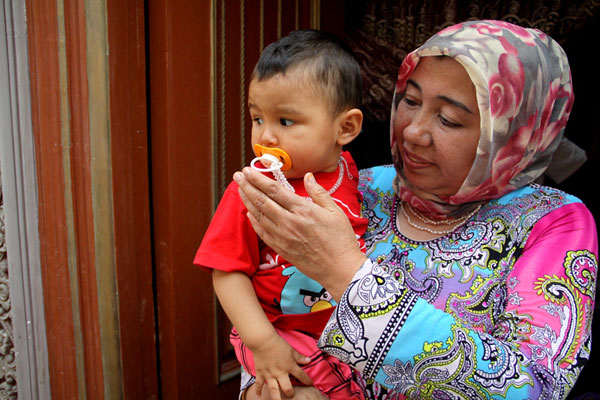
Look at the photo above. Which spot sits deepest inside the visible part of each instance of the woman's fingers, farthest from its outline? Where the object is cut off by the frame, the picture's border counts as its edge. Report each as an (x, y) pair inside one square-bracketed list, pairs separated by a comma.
[(310, 235), (264, 226), (265, 195), (253, 198), (273, 210), (317, 193)]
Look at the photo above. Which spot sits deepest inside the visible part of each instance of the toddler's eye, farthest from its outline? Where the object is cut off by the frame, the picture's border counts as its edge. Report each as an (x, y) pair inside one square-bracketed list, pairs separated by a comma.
[(286, 122), (258, 120)]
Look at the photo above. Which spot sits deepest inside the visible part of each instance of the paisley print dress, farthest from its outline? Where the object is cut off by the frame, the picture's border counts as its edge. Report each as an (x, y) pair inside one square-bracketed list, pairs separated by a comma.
[(499, 308)]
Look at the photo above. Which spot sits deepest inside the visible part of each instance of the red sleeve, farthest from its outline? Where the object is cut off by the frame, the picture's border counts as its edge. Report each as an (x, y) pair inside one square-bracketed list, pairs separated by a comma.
[(230, 243)]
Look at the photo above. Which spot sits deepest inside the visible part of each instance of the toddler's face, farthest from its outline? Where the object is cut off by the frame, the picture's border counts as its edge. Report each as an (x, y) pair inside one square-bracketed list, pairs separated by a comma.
[(291, 115)]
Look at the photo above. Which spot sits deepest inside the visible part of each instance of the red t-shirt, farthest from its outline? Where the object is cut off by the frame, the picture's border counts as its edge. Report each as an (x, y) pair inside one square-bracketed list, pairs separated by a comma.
[(290, 299)]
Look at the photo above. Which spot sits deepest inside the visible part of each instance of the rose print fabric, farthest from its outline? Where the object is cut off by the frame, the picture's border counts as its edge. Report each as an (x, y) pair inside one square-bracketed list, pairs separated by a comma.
[(523, 84), (500, 308)]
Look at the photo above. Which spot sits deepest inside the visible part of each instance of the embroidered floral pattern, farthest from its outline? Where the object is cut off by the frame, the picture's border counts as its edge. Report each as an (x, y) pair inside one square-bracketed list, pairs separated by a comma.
[(439, 372), (582, 268)]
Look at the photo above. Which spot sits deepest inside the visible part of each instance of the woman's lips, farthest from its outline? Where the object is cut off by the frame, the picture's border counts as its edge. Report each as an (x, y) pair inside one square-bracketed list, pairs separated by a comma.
[(413, 161)]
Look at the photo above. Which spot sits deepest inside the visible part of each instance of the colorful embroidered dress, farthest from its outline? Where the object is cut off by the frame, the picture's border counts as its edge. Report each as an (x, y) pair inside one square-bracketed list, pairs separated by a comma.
[(500, 308)]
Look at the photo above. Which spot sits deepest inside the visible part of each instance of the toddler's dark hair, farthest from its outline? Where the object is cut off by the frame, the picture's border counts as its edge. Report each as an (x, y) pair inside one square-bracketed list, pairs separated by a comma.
[(329, 63)]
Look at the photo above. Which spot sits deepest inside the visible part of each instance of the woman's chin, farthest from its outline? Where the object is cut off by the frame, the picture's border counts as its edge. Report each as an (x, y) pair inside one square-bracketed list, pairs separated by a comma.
[(425, 190)]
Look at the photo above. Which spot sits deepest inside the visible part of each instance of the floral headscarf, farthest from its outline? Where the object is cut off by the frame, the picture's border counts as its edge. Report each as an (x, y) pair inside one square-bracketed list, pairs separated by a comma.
[(524, 94)]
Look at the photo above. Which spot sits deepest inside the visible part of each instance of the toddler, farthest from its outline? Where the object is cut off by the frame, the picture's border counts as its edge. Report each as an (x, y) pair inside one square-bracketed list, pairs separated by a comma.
[(303, 99)]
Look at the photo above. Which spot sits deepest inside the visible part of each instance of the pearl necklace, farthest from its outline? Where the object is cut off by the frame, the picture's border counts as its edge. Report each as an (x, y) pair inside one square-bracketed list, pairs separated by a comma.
[(456, 222), (280, 177), (423, 218)]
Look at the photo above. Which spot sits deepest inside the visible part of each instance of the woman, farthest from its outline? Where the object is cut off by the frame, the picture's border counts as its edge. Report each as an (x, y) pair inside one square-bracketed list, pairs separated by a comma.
[(478, 283)]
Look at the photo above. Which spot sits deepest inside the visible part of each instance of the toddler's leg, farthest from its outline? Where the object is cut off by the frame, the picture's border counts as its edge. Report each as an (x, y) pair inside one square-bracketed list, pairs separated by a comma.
[(300, 393)]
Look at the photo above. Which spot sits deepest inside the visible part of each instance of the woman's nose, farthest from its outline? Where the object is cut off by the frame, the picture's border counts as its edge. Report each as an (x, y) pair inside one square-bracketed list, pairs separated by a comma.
[(417, 131)]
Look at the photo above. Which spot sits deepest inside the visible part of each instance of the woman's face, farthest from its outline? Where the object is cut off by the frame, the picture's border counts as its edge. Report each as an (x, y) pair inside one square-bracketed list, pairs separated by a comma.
[(437, 126)]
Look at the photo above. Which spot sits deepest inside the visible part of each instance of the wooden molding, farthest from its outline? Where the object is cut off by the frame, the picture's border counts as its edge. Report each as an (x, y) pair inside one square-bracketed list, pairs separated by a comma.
[(25, 354), (46, 124), (131, 197), (76, 133)]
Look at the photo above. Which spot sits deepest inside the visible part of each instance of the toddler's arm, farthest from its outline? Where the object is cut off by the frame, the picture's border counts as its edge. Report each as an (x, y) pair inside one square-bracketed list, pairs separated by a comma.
[(274, 358)]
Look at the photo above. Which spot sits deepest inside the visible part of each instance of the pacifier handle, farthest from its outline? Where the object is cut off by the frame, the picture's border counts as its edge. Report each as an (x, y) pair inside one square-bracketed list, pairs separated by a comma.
[(279, 154), (274, 163)]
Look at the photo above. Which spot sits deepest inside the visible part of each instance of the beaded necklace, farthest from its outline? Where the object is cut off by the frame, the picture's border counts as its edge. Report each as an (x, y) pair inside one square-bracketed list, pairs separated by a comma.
[(280, 177), (276, 165), (455, 222)]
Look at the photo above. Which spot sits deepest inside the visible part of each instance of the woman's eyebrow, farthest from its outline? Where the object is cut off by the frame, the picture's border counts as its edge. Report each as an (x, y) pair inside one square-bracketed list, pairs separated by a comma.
[(455, 103), (447, 99), (415, 84)]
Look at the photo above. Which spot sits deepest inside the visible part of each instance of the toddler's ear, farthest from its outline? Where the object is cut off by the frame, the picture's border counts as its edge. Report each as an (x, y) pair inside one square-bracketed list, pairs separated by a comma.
[(350, 126)]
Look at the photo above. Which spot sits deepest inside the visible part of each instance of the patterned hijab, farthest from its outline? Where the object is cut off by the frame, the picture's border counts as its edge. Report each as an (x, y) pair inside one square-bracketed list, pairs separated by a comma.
[(523, 84)]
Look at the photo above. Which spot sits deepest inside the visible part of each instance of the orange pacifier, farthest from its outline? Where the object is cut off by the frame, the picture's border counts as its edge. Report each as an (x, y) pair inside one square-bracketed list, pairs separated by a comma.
[(271, 158)]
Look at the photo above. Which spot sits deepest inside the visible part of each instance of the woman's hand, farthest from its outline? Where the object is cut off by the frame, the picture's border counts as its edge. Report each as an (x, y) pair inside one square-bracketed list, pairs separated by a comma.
[(314, 236)]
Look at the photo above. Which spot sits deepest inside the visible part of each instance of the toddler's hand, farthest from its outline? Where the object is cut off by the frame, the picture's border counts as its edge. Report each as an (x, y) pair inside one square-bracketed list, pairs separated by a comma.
[(274, 361)]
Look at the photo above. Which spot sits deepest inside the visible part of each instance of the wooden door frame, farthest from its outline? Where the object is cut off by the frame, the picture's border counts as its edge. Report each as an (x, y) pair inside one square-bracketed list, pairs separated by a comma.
[(89, 125)]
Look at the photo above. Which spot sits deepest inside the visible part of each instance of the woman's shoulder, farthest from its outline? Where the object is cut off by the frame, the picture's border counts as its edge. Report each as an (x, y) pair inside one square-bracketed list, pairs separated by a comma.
[(539, 193), (527, 205), (378, 178)]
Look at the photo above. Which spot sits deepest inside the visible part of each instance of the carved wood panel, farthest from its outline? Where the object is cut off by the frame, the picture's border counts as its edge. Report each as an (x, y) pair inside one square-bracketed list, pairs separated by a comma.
[(8, 367)]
